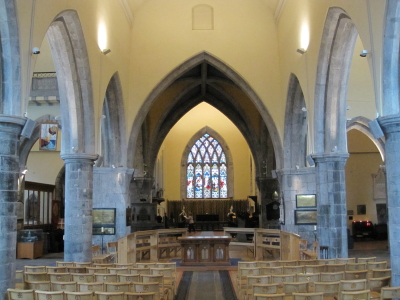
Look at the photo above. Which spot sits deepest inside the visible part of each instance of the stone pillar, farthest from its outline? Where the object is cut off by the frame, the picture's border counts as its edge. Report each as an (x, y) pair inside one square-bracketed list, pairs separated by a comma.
[(10, 128), (78, 206), (267, 186), (331, 203), (391, 128)]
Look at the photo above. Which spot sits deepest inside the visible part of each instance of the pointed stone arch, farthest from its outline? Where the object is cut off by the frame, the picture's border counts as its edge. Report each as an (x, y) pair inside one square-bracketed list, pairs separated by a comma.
[(227, 151), (113, 125), (296, 126)]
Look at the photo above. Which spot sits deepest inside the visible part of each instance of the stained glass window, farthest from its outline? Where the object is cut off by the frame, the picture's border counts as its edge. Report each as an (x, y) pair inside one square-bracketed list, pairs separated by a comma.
[(206, 171)]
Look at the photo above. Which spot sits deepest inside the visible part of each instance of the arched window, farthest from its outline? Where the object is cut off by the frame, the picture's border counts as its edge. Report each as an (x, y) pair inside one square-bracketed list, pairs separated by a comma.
[(206, 169)]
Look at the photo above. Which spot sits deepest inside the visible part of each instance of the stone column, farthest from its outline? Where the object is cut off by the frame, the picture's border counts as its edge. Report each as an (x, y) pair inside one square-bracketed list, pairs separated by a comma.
[(391, 128), (331, 203), (10, 128), (78, 206), (267, 186)]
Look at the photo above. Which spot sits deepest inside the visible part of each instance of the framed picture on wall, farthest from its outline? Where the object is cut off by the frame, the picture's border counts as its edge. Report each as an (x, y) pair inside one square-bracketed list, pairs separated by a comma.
[(305, 217), (103, 221), (306, 201), (48, 136)]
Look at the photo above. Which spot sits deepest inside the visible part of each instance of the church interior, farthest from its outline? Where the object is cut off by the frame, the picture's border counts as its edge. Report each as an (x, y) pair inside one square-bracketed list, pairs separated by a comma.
[(272, 123)]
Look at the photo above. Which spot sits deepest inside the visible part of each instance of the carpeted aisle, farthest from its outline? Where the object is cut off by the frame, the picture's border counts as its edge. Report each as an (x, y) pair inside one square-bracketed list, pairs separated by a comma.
[(208, 285)]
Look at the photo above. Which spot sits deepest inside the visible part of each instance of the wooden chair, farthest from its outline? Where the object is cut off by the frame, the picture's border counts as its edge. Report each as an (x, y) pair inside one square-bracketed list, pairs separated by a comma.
[(141, 271), (280, 279), (307, 262), (78, 295), (20, 294), (103, 265), (83, 264), (79, 270), (374, 265), (365, 260), (355, 295), (314, 269), (168, 278), (169, 266), (271, 270), (353, 285), (251, 280), (132, 265), (60, 277), (293, 269), (47, 295), (65, 264), (117, 287), (375, 285), (326, 261), (158, 279), (331, 268), (349, 260), (56, 269), (19, 279), (330, 289), (241, 279), (310, 278), (90, 286), (128, 277), (35, 269), (354, 275), (64, 286), (38, 285), (356, 267), (287, 263), (81, 277), (36, 276), (381, 273), (112, 249), (390, 292), (140, 296), (295, 287), (266, 264), (336, 276), (147, 287), (93, 270), (272, 288), (145, 265), (247, 264), (313, 253), (98, 277), (110, 295), (308, 296), (118, 270), (269, 296)]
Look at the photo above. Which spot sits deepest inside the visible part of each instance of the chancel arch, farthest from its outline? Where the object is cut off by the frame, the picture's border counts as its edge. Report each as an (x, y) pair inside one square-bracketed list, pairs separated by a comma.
[(228, 163)]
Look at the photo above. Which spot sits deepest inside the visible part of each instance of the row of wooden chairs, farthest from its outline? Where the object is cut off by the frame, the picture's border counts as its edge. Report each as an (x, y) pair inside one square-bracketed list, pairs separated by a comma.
[(358, 295), (15, 294), (259, 285)]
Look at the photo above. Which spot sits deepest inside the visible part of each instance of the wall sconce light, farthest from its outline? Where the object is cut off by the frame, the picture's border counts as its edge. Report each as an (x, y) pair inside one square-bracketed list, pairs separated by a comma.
[(24, 171), (301, 50), (106, 51), (304, 109), (364, 53), (35, 50)]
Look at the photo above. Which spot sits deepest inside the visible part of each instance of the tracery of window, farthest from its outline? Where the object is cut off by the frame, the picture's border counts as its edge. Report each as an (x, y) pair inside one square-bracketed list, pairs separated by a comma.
[(206, 170)]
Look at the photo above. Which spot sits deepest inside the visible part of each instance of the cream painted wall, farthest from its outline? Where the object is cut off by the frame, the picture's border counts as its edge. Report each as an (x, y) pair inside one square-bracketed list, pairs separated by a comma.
[(177, 139), (364, 161)]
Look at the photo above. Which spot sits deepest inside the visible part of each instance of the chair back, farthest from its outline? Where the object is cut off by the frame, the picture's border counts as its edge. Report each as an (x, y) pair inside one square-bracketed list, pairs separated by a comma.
[(269, 296), (118, 270), (353, 285), (390, 292), (90, 286), (308, 296), (286, 263), (354, 275), (46, 295), (63, 286), (93, 270), (103, 265), (19, 294), (293, 269), (261, 279), (335, 268), (314, 269), (329, 261), (381, 273), (356, 267), (36, 276), (78, 295), (140, 271), (374, 265), (128, 277), (110, 295), (145, 265), (265, 264), (348, 260), (132, 265), (247, 264), (283, 278), (376, 284), (355, 295), (60, 277), (146, 287), (330, 289), (35, 269), (79, 270), (38, 285), (366, 259), (295, 287), (271, 270), (265, 288), (56, 269), (117, 287), (65, 264), (335, 276), (98, 277), (83, 264), (306, 262), (81, 277), (308, 277), (140, 296)]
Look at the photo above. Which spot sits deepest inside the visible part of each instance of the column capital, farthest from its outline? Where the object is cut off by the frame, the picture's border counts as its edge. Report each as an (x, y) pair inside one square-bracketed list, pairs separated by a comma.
[(79, 157), (12, 124), (390, 123), (330, 157)]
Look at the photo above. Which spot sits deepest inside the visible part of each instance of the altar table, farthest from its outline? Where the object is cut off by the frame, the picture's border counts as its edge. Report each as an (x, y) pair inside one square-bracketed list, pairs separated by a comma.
[(205, 250)]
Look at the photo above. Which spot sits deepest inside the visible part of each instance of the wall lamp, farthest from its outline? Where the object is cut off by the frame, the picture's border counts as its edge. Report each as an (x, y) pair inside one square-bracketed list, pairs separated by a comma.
[(364, 53), (106, 51), (301, 50)]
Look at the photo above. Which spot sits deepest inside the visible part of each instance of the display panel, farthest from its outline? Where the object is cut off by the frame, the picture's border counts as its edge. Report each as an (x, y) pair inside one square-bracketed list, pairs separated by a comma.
[(303, 201), (103, 221)]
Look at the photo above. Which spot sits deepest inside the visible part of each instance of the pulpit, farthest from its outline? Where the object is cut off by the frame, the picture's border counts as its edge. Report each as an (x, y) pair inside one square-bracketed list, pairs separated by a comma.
[(205, 250)]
